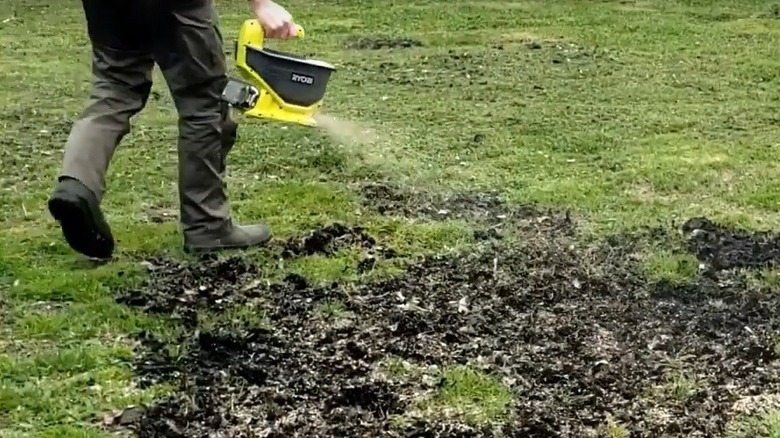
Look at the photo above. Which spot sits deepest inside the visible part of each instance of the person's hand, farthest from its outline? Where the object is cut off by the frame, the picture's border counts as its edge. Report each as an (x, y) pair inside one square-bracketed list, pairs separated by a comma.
[(275, 20)]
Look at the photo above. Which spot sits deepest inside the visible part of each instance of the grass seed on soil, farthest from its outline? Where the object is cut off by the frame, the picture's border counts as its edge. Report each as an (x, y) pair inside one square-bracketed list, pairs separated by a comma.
[(576, 335)]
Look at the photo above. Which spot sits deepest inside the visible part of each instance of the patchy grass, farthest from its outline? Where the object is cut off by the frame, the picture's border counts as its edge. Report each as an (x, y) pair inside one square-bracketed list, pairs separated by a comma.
[(458, 392), (613, 429), (629, 113), (680, 385), (239, 316), (332, 309), (672, 267), (767, 278), (677, 384), (766, 425), (471, 395)]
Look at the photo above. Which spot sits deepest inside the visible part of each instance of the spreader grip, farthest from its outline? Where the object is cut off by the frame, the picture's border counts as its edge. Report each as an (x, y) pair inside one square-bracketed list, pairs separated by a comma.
[(251, 33), (300, 33)]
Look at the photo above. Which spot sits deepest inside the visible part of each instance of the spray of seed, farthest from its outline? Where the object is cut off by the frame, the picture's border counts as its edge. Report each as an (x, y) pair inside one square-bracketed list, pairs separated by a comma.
[(343, 131), (364, 145)]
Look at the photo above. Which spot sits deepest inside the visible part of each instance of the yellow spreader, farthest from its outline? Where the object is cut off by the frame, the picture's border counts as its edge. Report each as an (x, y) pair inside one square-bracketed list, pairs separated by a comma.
[(276, 85)]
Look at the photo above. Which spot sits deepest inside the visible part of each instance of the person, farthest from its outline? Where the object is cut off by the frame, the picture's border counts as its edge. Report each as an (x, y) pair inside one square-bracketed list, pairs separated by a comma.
[(183, 38)]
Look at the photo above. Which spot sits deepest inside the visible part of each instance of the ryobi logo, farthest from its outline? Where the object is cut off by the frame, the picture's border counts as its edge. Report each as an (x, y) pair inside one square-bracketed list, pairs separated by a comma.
[(302, 79)]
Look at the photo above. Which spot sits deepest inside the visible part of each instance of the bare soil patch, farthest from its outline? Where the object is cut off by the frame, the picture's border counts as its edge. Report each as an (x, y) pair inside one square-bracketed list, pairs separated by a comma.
[(486, 208), (575, 332), (376, 43)]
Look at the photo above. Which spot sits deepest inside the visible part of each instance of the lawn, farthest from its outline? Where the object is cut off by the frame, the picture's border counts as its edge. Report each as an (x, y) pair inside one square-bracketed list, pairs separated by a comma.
[(563, 227)]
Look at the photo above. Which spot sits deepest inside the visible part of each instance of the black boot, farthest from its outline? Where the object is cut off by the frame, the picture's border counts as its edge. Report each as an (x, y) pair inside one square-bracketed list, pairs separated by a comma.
[(77, 210), (229, 236)]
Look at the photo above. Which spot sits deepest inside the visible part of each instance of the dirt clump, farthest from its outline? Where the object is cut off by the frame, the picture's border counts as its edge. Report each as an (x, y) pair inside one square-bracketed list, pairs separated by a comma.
[(330, 239), (574, 332), (376, 43), (721, 247), (488, 234)]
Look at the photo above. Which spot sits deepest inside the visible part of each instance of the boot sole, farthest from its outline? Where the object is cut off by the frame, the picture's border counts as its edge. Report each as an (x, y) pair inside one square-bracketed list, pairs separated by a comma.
[(212, 249), (81, 230)]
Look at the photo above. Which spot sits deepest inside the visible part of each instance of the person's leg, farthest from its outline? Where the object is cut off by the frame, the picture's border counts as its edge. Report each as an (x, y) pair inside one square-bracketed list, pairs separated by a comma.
[(228, 125), (121, 83), (193, 63)]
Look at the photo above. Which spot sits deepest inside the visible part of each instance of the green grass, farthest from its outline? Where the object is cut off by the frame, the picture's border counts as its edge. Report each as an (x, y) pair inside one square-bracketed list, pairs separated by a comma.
[(613, 429), (671, 267), (678, 384), (681, 386), (630, 113), (469, 395), (461, 392), (766, 425)]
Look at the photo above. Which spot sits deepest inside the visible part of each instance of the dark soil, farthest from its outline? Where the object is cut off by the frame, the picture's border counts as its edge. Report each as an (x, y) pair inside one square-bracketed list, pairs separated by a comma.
[(487, 208), (180, 290), (575, 332), (332, 238), (376, 43), (723, 248)]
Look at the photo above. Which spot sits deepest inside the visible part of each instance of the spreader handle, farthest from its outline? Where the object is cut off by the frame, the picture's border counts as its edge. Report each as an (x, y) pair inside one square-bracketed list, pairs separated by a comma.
[(252, 33), (300, 33)]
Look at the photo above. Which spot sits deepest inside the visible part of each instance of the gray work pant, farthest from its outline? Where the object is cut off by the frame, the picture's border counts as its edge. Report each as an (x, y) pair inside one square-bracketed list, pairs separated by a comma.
[(183, 39)]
